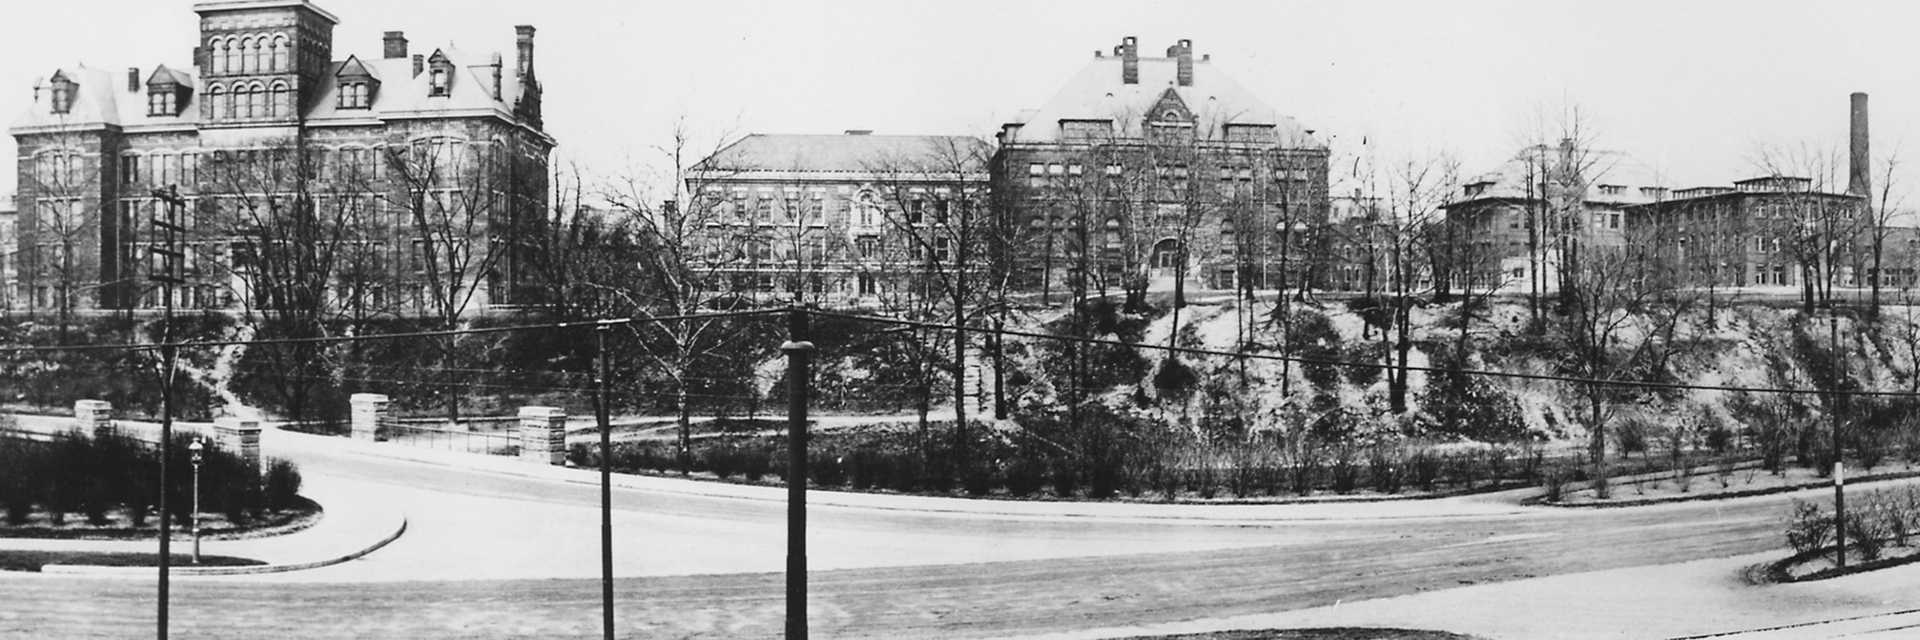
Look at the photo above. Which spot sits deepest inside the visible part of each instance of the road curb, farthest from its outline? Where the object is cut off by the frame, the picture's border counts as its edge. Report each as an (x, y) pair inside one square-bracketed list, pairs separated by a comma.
[(96, 570)]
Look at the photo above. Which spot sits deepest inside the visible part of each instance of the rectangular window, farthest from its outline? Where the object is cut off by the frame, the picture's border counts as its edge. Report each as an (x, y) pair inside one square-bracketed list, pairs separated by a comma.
[(1113, 169), (1056, 169), (869, 247), (1035, 168), (1074, 170), (942, 249)]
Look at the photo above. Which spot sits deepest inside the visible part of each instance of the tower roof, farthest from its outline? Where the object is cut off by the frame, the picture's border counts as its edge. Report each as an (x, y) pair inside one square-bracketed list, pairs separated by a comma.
[(1097, 92), (217, 6)]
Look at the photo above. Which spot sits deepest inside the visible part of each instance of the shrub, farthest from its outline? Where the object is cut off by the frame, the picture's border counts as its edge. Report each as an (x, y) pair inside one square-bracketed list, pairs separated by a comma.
[(1024, 477), (1383, 470), (282, 483), (1066, 480), (1175, 379), (1425, 468), (755, 463), (1346, 474), (826, 469), (1554, 481), (1867, 533), (1808, 527)]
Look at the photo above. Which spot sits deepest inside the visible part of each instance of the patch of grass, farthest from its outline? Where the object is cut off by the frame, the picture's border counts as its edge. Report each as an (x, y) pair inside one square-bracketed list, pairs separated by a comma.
[(33, 560)]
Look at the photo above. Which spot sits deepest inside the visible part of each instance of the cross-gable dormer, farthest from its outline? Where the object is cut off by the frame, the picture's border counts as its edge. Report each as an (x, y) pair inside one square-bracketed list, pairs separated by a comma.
[(439, 74), (63, 90), (356, 84), (167, 92)]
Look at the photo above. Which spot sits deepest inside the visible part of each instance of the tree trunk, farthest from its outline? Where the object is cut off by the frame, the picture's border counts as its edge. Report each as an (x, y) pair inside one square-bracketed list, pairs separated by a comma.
[(1597, 447), (683, 418)]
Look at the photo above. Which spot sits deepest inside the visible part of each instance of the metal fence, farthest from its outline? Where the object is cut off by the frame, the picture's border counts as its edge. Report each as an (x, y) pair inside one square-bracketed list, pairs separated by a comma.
[(418, 434)]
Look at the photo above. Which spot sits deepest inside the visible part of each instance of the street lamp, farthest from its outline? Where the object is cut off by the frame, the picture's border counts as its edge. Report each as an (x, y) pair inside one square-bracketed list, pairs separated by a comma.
[(196, 448)]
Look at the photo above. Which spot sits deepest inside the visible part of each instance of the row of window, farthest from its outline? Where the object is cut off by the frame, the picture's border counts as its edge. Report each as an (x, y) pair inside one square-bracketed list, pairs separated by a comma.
[(266, 53), (251, 101)]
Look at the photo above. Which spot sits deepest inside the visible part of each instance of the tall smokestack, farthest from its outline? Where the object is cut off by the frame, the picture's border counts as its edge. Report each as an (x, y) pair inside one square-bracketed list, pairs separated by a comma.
[(1859, 161), (1129, 53)]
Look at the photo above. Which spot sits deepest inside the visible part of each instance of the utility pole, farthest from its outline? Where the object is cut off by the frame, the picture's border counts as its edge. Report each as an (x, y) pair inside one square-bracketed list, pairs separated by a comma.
[(606, 477), (797, 349), (1839, 400), (167, 276)]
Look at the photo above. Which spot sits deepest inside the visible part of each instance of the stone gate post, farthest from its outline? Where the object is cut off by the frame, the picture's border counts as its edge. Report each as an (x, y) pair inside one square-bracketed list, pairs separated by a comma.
[(543, 434), (369, 416), (94, 417)]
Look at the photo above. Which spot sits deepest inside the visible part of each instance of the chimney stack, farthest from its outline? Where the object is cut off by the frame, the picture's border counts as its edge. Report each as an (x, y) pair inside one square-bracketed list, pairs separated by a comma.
[(1183, 52), (523, 36), (419, 64), (1859, 162), (1129, 52), (394, 45), (199, 59), (133, 78)]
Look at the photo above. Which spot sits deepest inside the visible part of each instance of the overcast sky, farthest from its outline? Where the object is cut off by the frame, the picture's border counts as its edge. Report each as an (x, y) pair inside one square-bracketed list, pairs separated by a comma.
[(1692, 89)]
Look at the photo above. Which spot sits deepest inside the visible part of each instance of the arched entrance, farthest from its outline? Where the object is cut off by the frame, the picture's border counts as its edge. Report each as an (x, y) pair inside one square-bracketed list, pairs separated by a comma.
[(1164, 264)]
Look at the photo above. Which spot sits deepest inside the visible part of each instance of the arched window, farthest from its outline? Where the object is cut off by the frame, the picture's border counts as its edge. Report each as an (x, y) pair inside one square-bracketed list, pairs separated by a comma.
[(281, 104), (218, 107), (249, 56), (217, 55), (235, 50), (256, 101), (281, 49)]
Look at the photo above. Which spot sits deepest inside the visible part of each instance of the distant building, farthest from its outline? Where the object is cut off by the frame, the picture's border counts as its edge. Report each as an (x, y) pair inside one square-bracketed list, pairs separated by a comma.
[(1767, 231), (1517, 223), (837, 219), (9, 229), (267, 126), (1141, 169)]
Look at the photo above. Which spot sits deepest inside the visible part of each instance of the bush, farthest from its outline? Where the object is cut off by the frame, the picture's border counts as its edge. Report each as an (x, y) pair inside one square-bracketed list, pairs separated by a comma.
[(282, 483), (1383, 470), (1867, 533), (1066, 479), (1425, 468), (1024, 477), (1808, 527), (1346, 474)]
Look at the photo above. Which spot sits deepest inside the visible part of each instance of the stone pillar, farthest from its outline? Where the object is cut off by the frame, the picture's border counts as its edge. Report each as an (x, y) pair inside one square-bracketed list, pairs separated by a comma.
[(94, 417), (543, 434), (239, 436), (369, 416)]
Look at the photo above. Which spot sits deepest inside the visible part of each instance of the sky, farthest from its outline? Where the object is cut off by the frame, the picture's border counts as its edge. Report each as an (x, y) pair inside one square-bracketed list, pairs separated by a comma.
[(1693, 90)]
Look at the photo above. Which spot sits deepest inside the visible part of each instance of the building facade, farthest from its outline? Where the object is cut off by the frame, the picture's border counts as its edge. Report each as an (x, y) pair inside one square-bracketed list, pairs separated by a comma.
[(1766, 231), (396, 184), (1157, 173), (1514, 227), (855, 219)]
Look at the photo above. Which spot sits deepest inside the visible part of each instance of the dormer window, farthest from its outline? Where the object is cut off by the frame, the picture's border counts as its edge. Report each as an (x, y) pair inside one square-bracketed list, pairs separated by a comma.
[(353, 95), (438, 83), (160, 103), (63, 90), (439, 74)]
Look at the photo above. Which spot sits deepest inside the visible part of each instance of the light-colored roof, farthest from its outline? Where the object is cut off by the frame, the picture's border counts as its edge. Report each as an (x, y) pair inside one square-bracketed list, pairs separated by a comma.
[(851, 153), (236, 5), (1602, 168), (102, 97), (1097, 92)]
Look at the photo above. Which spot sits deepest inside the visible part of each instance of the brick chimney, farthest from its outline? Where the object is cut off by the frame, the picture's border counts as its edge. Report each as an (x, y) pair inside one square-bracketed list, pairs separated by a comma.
[(133, 78), (1183, 53), (394, 45), (1129, 52), (1859, 162), (523, 37), (419, 64)]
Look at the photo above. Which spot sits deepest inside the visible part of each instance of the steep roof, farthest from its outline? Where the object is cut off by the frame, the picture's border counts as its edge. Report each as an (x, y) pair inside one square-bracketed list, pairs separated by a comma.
[(1097, 92), (851, 153), (102, 97), (1605, 168)]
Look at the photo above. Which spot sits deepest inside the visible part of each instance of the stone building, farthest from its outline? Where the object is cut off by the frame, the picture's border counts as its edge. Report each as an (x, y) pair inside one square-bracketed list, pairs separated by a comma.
[(391, 184), (1514, 226), (1766, 231), (853, 219), (1156, 172)]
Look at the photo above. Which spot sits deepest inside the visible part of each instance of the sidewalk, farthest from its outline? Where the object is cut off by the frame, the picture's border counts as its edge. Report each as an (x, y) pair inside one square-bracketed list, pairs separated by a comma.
[(1705, 598)]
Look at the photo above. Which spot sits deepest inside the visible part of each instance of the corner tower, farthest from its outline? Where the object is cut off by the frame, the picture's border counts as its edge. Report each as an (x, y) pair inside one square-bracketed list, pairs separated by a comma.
[(262, 62)]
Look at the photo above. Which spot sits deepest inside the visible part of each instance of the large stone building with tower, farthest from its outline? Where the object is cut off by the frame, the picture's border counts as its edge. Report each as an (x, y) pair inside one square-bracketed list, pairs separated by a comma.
[(1148, 172), (395, 184)]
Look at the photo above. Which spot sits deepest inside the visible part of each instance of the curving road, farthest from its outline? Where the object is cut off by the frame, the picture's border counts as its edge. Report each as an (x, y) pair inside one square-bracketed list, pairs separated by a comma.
[(494, 555)]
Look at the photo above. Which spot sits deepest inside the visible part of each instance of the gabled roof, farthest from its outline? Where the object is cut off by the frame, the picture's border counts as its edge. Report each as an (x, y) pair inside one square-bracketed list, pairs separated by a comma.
[(852, 153), (102, 98), (163, 75), (1097, 93), (353, 68)]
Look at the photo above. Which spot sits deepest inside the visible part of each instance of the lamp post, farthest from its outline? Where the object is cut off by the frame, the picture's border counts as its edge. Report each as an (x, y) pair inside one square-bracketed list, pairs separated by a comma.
[(196, 448)]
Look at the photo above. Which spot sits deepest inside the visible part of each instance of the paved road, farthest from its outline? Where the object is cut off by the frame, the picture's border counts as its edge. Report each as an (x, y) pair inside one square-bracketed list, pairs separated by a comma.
[(499, 556)]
